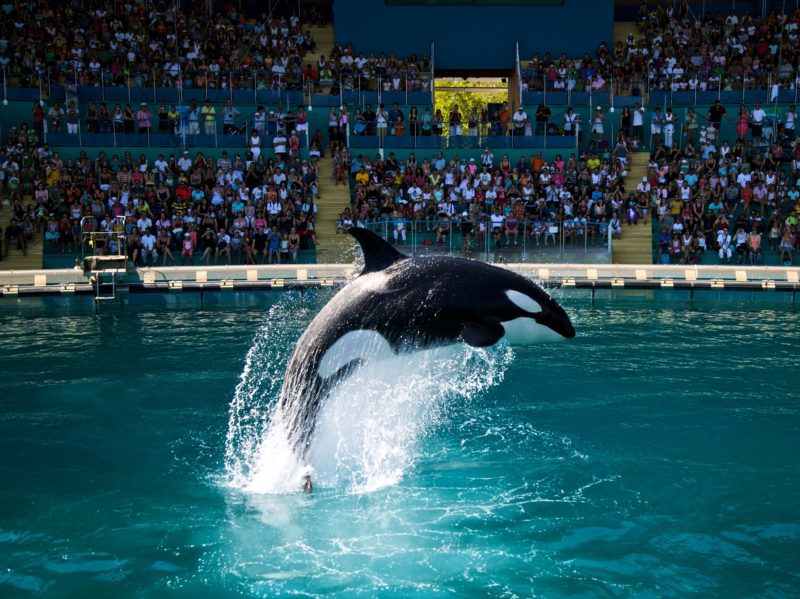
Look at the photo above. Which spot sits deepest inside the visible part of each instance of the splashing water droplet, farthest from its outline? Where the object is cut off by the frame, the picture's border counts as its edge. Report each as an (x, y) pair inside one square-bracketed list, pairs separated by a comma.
[(370, 426)]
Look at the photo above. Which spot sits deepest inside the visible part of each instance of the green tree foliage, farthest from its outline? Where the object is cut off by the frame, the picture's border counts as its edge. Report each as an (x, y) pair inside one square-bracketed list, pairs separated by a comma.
[(466, 100)]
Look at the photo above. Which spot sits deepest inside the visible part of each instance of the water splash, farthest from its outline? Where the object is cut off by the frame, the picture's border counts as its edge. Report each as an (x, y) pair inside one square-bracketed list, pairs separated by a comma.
[(369, 429), (256, 395)]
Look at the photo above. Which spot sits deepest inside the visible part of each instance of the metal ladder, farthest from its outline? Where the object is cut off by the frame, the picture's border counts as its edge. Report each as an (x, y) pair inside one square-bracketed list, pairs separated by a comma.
[(99, 283), (104, 270)]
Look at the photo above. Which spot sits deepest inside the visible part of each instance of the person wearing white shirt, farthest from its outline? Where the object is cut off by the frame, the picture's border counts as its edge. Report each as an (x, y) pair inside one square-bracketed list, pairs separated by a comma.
[(144, 222), (485, 176), (273, 208), (279, 144), (149, 246), (744, 177), (789, 121), (487, 158), (758, 115), (255, 145), (497, 219), (669, 127), (685, 191), (160, 164), (184, 162), (519, 119), (638, 122), (724, 244)]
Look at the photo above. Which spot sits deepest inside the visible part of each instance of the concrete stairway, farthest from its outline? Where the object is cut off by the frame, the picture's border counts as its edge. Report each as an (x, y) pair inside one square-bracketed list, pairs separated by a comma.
[(15, 259), (623, 28), (635, 244), (323, 38), (332, 247)]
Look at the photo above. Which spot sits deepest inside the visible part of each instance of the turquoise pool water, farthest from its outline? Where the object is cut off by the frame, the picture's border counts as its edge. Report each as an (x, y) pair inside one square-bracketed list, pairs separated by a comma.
[(655, 455)]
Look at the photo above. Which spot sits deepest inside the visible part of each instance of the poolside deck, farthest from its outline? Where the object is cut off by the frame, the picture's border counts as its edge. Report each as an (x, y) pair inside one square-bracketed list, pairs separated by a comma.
[(193, 279)]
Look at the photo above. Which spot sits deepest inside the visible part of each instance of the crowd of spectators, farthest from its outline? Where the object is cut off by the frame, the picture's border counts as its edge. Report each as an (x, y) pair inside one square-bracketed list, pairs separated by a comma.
[(707, 194), (527, 202), (713, 194), (152, 44), (478, 122), (343, 67), (679, 52), (731, 197), (244, 208)]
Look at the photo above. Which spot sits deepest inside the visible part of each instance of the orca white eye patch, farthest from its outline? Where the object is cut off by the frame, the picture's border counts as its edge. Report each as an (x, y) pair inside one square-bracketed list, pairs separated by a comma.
[(525, 302)]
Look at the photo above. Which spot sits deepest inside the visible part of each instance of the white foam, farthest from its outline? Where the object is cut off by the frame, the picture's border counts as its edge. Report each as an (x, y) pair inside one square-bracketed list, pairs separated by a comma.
[(368, 430)]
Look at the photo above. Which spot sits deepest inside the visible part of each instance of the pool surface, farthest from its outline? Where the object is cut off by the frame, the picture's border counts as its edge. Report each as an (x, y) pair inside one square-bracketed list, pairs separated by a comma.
[(655, 455)]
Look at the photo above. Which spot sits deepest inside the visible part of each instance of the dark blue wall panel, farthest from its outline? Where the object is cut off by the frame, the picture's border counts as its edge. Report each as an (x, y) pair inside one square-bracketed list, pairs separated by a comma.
[(474, 37)]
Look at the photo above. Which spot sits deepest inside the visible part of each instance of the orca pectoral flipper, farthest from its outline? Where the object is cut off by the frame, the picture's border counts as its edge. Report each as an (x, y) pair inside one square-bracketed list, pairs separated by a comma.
[(482, 333)]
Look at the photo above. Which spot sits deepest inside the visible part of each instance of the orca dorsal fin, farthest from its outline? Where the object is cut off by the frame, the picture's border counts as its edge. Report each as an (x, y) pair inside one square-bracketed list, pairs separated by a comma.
[(377, 253)]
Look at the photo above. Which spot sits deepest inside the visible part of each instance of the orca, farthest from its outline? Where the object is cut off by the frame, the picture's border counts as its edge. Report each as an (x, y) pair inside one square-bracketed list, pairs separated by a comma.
[(399, 303)]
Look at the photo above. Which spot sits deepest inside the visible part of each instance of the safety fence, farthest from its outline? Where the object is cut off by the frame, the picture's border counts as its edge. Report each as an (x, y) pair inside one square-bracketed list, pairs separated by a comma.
[(184, 130), (677, 87), (515, 239), (246, 87), (439, 134), (240, 87)]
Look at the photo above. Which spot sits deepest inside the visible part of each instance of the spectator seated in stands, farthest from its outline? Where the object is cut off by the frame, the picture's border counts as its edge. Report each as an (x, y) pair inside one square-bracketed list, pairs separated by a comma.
[(135, 45), (433, 194), (168, 198)]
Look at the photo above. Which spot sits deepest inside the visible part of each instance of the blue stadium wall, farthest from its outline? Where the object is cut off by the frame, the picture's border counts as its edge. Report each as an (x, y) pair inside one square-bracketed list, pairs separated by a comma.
[(474, 37)]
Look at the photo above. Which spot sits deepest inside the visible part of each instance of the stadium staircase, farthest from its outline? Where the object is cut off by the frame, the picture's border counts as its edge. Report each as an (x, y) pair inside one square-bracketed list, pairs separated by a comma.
[(623, 28), (15, 259), (323, 41), (635, 244), (332, 247)]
